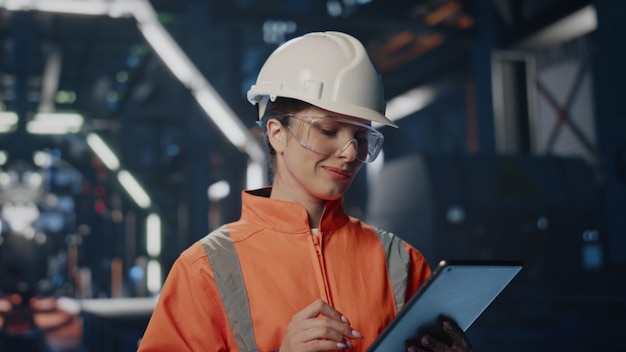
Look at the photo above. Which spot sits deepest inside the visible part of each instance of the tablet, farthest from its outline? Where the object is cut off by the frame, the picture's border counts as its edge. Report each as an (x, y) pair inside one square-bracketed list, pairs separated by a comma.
[(458, 290)]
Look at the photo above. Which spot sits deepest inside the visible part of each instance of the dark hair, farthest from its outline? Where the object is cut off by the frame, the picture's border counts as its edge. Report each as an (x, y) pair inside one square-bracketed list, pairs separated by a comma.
[(277, 110)]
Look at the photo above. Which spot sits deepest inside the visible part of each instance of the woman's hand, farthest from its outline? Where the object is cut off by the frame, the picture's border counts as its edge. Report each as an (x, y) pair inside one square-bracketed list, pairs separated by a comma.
[(428, 343), (318, 327)]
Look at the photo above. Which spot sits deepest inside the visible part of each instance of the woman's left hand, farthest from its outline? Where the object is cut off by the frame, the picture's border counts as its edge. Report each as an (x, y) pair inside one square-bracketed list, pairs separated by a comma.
[(428, 343)]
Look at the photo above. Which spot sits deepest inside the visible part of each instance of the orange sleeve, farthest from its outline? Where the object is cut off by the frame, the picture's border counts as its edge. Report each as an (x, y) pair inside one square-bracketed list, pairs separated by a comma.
[(419, 271), (188, 315)]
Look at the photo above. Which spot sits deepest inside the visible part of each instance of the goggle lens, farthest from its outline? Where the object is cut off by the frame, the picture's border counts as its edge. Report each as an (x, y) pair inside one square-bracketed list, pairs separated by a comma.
[(327, 135)]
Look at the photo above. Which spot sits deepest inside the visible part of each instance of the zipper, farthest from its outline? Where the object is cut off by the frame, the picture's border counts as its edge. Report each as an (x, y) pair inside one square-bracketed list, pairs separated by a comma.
[(317, 243)]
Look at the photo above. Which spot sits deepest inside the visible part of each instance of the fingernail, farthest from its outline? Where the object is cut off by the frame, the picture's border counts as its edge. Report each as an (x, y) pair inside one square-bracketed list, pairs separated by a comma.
[(345, 320), (426, 341), (341, 345), (447, 325), (356, 334), (349, 344)]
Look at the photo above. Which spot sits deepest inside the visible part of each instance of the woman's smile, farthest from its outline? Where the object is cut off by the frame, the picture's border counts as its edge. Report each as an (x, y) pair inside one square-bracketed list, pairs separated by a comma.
[(338, 173)]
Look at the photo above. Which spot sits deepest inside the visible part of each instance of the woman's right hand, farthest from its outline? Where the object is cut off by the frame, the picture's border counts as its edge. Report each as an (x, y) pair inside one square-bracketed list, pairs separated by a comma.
[(318, 327)]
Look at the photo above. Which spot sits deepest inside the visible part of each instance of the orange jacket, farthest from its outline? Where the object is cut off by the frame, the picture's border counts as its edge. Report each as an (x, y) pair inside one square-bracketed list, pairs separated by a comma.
[(285, 268)]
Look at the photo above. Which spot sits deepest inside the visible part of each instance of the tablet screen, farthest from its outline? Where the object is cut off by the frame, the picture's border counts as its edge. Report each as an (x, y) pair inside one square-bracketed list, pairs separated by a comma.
[(458, 290)]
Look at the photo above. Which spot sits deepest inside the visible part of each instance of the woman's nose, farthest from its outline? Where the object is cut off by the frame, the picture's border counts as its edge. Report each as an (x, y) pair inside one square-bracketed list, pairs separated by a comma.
[(349, 150)]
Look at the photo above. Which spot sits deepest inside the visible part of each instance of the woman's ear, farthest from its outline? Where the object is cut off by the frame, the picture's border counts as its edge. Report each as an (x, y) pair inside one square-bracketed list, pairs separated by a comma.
[(276, 135)]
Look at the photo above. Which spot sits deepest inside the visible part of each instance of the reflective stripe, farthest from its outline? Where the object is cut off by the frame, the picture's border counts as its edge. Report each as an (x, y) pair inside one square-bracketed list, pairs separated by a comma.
[(220, 251), (398, 261), (221, 254)]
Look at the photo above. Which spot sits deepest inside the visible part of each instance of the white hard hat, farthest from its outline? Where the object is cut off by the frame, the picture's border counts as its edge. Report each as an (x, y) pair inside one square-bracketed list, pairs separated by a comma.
[(330, 70)]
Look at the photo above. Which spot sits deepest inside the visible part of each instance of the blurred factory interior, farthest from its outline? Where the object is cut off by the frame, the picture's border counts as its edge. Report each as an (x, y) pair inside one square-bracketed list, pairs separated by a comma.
[(125, 136)]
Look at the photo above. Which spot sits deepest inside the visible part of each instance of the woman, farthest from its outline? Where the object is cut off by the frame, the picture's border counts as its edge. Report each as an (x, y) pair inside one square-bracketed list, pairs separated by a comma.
[(295, 272)]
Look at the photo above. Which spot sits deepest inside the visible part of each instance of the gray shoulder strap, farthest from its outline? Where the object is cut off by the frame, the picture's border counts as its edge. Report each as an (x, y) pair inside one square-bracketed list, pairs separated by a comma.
[(221, 254), (398, 261)]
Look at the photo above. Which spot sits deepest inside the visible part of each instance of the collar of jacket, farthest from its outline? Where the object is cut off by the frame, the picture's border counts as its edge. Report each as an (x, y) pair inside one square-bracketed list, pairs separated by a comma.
[(288, 217)]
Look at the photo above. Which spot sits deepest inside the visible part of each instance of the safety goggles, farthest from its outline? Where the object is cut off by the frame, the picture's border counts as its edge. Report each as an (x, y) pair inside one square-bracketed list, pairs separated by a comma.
[(328, 135)]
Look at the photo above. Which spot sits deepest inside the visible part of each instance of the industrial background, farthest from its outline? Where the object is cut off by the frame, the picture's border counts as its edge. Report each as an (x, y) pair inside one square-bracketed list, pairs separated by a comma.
[(125, 136)]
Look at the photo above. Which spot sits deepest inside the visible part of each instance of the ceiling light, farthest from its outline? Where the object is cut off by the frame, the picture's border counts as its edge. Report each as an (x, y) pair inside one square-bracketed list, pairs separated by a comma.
[(55, 123), (188, 74), (171, 54), (20, 216), (8, 121), (219, 190), (573, 26), (255, 175), (231, 128), (409, 103), (103, 152), (153, 235), (134, 189), (43, 159), (154, 276), (76, 7)]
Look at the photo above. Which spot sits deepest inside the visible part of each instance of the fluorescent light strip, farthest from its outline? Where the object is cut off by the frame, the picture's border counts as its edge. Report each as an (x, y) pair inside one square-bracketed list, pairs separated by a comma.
[(206, 96), (59, 6), (171, 54), (573, 26), (153, 276), (103, 152), (409, 103), (255, 175), (55, 123), (75, 7), (38, 127), (232, 128), (8, 118), (65, 119), (153, 235), (134, 190), (8, 121)]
